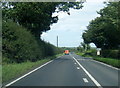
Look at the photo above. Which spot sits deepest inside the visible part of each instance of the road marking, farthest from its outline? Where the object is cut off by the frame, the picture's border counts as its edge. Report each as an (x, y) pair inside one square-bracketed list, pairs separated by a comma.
[(27, 74), (91, 77), (74, 63), (106, 64), (85, 80), (78, 68)]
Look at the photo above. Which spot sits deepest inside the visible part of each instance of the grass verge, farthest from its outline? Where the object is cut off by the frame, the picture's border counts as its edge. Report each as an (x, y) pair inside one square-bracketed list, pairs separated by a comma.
[(111, 61), (12, 71), (83, 55)]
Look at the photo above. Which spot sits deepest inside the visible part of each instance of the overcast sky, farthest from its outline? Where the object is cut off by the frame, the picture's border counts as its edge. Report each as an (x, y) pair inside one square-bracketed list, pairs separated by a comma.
[(69, 28)]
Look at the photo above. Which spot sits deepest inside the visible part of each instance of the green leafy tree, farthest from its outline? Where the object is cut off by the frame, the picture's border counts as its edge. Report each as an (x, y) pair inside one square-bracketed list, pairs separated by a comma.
[(104, 31), (85, 46), (79, 48), (36, 16)]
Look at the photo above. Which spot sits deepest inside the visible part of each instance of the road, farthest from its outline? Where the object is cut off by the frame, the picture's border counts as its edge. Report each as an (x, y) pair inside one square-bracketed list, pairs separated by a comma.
[(71, 70)]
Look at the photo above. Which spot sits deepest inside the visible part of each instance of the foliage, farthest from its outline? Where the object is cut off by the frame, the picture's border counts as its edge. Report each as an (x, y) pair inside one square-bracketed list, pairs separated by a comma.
[(83, 47), (110, 61), (36, 16), (21, 36), (104, 31), (111, 53), (11, 71), (79, 48), (89, 53), (20, 45), (80, 53)]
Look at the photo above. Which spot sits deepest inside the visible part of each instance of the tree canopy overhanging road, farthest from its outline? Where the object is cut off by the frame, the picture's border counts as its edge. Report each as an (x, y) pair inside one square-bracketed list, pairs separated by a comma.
[(23, 23)]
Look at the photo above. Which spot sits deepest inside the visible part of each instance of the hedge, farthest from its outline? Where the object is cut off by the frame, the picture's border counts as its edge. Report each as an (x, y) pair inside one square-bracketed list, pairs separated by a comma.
[(20, 45), (111, 53)]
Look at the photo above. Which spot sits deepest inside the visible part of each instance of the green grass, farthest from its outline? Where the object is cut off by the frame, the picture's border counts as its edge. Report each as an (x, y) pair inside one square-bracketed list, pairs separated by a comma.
[(82, 54), (11, 71), (0, 74), (110, 61)]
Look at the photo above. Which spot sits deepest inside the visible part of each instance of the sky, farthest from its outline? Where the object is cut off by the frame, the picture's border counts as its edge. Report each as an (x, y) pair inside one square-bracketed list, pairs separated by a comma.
[(69, 28)]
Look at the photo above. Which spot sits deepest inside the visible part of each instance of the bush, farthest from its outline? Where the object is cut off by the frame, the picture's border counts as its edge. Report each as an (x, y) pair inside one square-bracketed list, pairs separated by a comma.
[(91, 52), (111, 53), (20, 45)]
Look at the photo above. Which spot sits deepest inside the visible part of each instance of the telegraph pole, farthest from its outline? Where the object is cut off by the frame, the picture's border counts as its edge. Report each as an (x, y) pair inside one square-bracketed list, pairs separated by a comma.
[(57, 41)]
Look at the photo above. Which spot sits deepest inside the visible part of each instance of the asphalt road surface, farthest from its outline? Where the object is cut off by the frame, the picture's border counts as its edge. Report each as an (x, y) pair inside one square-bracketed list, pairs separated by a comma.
[(70, 70)]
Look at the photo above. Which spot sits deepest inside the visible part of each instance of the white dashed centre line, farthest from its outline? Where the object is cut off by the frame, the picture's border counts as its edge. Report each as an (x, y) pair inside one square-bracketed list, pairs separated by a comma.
[(91, 77), (78, 68), (85, 80)]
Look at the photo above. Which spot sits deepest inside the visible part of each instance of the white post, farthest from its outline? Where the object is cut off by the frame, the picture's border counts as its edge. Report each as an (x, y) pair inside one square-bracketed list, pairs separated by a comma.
[(98, 51)]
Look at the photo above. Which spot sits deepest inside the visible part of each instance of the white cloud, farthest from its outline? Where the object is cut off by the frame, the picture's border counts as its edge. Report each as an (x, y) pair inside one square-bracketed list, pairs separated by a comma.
[(70, 27)]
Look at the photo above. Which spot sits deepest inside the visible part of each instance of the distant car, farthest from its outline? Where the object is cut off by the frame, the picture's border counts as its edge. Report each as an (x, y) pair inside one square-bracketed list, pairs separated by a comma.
[(66, 52)]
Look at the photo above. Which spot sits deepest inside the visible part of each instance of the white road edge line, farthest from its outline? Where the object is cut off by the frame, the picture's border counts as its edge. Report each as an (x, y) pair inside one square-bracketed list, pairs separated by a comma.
[(91, 77), (106, 64), (85, 80), (27, 74)]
